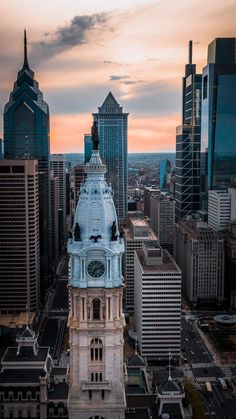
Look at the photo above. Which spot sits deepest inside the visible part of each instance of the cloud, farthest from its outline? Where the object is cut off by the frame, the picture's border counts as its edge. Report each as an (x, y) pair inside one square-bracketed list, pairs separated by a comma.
[(133, 81), (67, 101), (115, 77), (154, 98), (123, 79), (68, 36)]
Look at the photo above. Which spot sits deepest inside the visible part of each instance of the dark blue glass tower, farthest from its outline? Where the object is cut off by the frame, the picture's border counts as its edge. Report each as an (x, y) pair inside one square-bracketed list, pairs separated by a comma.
[(112, 125), (218, 137), (188, 137), (88, 147), (26, 136), (165, 173)]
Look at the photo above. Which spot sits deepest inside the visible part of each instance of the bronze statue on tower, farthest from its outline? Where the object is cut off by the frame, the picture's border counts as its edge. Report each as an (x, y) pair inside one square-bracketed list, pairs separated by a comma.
[(95, 137)]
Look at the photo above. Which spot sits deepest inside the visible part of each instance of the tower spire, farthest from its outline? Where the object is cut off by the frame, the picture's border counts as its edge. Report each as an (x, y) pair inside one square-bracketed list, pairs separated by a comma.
[(25, 65), (190, 52)]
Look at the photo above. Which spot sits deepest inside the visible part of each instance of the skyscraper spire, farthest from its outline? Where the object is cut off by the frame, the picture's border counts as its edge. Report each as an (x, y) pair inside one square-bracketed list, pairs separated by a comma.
[(190, 52), (25, 65)]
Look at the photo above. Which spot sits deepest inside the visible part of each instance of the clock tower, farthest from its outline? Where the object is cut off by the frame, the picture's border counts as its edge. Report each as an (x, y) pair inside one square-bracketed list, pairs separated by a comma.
[(96, 319)]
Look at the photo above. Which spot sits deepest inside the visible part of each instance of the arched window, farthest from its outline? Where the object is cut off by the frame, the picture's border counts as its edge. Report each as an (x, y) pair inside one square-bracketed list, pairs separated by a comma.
[(96, 349), (96, 309)]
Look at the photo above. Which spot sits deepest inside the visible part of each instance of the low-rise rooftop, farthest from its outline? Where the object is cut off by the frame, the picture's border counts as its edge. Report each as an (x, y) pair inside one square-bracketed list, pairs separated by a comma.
[(166, 264)]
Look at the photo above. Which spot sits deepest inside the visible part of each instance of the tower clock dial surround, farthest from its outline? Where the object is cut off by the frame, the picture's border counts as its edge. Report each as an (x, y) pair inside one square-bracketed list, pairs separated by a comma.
[(96, 268)]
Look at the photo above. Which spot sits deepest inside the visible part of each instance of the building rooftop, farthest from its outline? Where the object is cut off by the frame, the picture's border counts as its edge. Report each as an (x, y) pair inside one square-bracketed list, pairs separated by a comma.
[(225, 319), (167, 263), (16, 320), (130, 236), (21, 376), (136, 361), (58, 392), (139, 222), (195, 229), (26, 354), (171, 387), (59, 371)]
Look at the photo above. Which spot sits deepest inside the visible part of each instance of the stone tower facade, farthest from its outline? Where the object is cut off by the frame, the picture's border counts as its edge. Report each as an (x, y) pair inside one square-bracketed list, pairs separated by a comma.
[(96, 320)]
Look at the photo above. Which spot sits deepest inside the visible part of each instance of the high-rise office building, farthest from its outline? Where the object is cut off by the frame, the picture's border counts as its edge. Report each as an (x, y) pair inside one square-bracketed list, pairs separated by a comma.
[(88, 147), (162, 219), (199, 252), (138, 231), (221, 208), (26, 135), (79, 178), (188, 137), (218, 136), (148, 191), (68, 193), (157, 302), (96, 318), (230, 264), (54, 220), (19, 236), (112, 127), (58, 166)]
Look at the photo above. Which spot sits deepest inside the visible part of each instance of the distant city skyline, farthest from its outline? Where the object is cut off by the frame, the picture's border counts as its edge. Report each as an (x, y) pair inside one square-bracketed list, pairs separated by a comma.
[(81, 52)]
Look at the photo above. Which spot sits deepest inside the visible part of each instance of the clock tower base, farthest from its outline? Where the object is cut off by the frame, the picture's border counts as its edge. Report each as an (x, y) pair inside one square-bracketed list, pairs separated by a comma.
[(96, 376)]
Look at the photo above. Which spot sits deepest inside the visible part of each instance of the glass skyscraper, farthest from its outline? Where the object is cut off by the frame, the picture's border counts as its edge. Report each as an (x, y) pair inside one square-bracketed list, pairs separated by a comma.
[(26, 136), (218, 137), (88, 147), (188, 137), (165, 174), (112, 127)]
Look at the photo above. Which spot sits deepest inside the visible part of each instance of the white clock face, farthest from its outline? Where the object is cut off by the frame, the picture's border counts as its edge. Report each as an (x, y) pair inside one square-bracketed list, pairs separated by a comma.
[(96, 268)]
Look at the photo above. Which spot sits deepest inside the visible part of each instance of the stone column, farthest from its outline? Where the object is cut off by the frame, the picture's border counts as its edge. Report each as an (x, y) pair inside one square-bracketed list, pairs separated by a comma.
[(107, 312), (118, 306), (74, 305)]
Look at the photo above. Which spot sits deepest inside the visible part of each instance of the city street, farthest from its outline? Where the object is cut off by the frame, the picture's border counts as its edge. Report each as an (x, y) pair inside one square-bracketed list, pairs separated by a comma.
[(200, 359), (220, 403), (197, 355), (193, 346)]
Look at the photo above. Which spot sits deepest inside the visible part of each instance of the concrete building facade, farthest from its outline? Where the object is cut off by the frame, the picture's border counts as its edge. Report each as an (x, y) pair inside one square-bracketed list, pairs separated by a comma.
[(162, 219), (58, 166), (138, 231), (54, 219), (221, 208), (199, 252), (157, 303), (19, 236)]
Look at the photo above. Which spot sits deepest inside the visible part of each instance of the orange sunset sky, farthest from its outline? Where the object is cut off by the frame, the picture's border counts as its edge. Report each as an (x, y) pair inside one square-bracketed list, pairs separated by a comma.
[(137, 49)]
